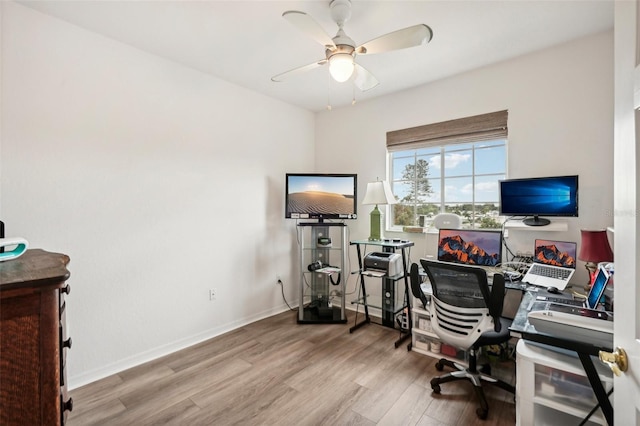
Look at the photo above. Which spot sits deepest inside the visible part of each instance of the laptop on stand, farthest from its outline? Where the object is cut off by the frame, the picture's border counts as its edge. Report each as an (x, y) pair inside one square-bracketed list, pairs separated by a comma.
[(554, 263)]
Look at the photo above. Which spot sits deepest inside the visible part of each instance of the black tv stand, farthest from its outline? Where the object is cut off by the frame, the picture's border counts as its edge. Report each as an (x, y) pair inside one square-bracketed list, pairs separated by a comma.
[(536, 221)]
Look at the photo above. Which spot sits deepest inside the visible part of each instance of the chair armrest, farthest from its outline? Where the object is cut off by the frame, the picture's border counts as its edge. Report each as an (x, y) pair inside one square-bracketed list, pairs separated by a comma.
[(496, 301)]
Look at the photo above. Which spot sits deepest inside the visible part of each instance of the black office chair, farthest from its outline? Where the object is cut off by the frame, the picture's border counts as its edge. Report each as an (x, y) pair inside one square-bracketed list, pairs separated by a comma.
[(467, 314)]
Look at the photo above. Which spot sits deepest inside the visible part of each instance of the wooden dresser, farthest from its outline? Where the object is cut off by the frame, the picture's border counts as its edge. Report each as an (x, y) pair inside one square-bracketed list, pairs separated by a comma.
[(33, 341)]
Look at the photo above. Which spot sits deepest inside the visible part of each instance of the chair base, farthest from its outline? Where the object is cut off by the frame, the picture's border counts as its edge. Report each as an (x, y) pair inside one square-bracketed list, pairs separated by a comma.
[(472, 375)]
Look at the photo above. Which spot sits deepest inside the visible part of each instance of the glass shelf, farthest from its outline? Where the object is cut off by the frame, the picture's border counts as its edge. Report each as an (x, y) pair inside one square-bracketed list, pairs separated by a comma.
[(377, 274), (390, 243), (375, 301)]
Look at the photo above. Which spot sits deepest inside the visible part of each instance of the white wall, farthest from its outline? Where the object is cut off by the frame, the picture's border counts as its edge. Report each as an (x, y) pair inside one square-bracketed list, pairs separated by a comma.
[(560, 104), (159, 182)]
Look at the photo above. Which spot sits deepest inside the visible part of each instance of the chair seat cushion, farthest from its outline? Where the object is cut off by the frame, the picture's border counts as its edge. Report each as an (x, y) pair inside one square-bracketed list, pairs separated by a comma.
[(492, 337)]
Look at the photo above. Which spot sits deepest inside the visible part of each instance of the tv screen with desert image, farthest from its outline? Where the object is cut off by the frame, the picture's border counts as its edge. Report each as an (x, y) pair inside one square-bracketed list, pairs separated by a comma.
[(320, 196)]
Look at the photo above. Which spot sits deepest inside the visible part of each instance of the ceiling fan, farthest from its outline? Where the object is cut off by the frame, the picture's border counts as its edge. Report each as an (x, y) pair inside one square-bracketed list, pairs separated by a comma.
[(341, 50)]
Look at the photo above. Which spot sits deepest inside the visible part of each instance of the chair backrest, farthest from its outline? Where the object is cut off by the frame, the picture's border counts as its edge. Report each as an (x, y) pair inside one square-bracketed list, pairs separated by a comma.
[(447, 220), (463, 305)]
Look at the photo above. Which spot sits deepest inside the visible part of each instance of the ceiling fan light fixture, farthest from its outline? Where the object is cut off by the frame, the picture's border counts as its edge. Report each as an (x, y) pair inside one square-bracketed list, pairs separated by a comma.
[(341, 67)]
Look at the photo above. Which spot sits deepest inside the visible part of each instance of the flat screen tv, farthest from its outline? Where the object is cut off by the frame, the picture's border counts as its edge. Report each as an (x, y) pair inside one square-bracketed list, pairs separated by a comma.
[(321, 196), (481, 247), (541, 196)]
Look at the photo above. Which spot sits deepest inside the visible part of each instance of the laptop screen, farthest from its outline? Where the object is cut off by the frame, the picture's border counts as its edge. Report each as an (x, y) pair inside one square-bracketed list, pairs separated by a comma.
[(599, 284), (555, 253)]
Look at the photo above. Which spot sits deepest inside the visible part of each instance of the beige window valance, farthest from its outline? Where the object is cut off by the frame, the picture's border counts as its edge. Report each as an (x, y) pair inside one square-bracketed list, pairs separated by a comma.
[(462, 130)]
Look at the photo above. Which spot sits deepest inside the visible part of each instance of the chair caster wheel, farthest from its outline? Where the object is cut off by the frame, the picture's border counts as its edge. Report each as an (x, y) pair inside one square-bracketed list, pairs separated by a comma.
[(482, 414), (435, 386), (439, 366)]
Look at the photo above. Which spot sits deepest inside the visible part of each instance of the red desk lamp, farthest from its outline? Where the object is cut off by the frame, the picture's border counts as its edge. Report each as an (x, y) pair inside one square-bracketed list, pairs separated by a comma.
[(594, 248)]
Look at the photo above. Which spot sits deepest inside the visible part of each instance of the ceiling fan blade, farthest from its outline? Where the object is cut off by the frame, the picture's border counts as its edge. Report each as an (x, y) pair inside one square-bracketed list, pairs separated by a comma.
[(401, 39), (363, 79), (309, 26), (285, 75)]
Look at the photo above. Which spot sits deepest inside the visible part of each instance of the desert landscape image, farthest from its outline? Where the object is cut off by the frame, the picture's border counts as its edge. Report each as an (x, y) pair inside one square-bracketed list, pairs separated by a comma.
[(320, 195), (320, 202)]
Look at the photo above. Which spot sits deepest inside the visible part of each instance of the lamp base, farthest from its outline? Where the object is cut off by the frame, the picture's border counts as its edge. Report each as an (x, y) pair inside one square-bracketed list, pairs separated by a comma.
[(375, 218)]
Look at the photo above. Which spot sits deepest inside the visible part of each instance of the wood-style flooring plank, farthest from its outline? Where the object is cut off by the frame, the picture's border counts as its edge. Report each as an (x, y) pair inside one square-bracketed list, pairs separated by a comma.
[(409, 407), (278, 372)]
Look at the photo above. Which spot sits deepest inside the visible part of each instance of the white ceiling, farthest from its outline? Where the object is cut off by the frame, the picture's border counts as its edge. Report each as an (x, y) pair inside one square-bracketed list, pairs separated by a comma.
[(248, 42)]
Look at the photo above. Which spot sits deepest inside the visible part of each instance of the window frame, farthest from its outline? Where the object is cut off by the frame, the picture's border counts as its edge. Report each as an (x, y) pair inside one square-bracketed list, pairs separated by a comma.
[(441, 137), (444, 204)]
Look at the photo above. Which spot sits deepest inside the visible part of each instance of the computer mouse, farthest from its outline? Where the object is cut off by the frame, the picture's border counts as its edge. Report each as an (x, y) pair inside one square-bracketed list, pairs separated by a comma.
[(553, 290)]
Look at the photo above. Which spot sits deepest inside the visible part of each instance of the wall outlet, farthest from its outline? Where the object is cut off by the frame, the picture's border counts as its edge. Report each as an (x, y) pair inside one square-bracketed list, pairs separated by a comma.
[(213, 293)]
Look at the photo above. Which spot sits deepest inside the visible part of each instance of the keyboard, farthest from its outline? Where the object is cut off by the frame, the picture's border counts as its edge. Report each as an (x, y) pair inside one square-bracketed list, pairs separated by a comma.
[(557, 273), (562, 301)]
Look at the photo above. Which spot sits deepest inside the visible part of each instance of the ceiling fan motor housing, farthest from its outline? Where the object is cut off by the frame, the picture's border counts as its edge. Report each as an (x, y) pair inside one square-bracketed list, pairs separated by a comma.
[(340, 48)]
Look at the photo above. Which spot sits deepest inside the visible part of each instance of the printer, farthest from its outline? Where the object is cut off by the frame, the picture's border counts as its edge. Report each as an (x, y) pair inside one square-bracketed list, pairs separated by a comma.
[(390, 263), (574, 323)]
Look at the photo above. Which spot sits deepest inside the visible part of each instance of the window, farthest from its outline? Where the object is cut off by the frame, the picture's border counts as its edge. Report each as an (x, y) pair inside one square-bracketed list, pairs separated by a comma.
[(451, 167)]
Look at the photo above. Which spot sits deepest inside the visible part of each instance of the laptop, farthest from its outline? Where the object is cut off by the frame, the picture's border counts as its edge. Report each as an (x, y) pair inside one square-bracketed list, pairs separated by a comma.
[(594, 296), (554, 263)]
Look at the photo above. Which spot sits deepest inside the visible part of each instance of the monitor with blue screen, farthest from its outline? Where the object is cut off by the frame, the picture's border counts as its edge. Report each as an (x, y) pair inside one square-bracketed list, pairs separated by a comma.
[(540, 196)]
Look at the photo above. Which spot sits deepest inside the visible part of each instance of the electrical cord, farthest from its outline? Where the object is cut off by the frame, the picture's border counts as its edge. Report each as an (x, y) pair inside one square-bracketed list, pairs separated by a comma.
[(513, 271), (504, 240), (284, 298)]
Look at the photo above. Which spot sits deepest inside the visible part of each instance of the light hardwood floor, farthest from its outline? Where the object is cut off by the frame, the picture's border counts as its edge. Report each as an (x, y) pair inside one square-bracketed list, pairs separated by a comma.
[(278, 372)]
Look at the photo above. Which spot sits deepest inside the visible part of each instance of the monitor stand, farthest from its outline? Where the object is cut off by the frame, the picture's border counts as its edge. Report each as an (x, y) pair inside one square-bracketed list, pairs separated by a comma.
[(536, 221)]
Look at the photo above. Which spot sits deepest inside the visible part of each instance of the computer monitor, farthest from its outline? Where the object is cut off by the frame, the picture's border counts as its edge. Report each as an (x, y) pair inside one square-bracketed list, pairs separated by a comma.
[(537, 197), (481, 247)]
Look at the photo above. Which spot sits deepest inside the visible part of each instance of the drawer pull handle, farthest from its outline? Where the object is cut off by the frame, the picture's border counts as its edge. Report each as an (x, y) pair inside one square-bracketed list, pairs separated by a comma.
[(66, 289), (68, 405), (67, 343)]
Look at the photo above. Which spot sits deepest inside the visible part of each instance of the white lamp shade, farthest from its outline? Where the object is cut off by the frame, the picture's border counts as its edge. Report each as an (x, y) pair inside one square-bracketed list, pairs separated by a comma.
[(341, 67), (379, 192)]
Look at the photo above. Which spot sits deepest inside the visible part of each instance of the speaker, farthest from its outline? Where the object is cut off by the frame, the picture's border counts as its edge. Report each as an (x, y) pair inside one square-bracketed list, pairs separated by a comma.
[(447, 220)]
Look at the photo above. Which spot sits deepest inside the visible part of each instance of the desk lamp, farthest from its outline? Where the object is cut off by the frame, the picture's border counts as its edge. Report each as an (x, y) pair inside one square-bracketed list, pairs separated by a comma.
[(594, 248), (378, 192)]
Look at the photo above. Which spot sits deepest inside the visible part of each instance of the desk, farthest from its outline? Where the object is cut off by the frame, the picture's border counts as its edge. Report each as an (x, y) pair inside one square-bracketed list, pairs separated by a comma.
[(388, 302), (584, 351)]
